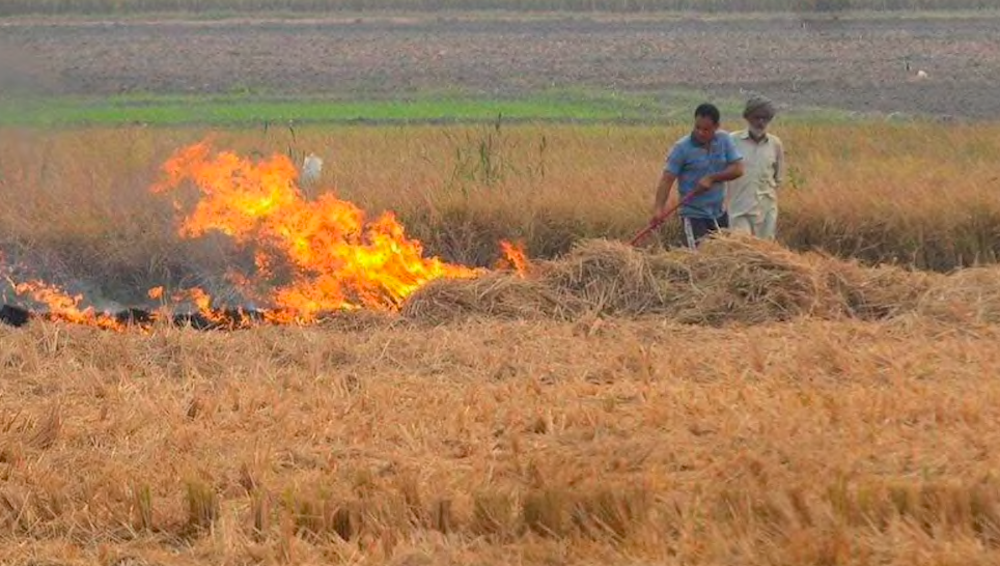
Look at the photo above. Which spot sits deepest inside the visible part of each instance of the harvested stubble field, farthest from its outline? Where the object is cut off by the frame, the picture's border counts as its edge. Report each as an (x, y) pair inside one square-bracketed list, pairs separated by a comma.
[(484, 426), (605, 441)]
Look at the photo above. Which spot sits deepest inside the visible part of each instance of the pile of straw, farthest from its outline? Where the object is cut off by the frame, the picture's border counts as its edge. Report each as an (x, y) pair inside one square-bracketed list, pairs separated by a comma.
[(730, 279), (739, 279), (875, 293), (495, 295), (968, 295), (609, 277)]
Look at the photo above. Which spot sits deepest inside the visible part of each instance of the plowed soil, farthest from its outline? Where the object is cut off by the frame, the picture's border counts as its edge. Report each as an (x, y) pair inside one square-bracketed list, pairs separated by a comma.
[(854, 63)]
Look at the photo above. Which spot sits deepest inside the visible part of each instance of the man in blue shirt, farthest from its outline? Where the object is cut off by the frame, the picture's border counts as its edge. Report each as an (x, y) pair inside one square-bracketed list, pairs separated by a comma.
[(701, 163)]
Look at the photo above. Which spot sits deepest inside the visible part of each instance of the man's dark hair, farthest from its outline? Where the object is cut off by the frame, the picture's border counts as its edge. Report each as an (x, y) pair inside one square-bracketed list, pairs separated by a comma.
[(707, 110)]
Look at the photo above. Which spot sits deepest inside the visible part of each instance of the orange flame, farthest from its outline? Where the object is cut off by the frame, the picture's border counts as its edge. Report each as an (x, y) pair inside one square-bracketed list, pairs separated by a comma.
[(64, 307), (339, 259), (204, 303), (514, 255)]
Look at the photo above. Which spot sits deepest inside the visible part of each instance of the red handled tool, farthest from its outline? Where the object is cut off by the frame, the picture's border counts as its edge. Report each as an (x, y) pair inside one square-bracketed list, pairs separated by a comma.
[(659, 220)]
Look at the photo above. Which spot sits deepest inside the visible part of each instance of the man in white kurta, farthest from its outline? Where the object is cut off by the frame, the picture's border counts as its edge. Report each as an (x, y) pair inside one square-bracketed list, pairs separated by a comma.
[(753, 198)]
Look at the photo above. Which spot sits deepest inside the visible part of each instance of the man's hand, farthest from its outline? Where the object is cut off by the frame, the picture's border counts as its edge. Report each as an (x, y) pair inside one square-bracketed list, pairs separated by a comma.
[(658, 214), (704, 184)]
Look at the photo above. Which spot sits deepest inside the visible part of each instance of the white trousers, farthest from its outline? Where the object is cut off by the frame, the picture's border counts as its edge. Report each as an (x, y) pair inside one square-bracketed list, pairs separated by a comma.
[(767, 222), (761, 223)]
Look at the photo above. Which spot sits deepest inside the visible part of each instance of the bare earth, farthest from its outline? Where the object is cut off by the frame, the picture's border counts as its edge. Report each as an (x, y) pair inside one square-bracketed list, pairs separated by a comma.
[(857, 64)]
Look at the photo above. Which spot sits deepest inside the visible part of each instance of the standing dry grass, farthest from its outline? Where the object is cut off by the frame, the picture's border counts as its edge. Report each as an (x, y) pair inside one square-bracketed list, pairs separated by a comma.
[(77, 202), (596, 441)]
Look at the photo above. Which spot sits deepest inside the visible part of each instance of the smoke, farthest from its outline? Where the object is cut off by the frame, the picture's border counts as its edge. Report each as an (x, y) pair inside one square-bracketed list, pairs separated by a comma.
[(109, 286)]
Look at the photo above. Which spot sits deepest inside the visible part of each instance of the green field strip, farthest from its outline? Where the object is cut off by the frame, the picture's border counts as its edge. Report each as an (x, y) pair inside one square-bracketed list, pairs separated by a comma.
[(179, 110), (236, 110)]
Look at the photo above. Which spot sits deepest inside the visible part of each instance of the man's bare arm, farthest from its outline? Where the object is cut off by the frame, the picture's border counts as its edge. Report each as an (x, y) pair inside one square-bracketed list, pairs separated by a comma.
[(732, 172), (663, 191)]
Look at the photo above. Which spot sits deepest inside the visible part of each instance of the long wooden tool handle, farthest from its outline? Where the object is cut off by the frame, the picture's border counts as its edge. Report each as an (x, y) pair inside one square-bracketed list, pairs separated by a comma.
[(659, 220)]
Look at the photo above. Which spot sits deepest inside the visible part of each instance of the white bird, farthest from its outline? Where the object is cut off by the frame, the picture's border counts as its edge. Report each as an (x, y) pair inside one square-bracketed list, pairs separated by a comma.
[(921, 74)]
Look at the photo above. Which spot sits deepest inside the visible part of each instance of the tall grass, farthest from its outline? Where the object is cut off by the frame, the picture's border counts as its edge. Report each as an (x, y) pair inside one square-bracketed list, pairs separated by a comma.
[(77, 204), (13, 7)]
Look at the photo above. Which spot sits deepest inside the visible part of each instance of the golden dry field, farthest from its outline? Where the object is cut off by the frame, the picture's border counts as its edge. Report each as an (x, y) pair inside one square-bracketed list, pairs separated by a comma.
[(205, 360), (502, 442), (744, 405)]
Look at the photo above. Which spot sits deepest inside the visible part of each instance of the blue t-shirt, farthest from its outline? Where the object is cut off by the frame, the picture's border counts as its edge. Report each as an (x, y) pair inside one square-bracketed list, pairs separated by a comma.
[(689, 161)]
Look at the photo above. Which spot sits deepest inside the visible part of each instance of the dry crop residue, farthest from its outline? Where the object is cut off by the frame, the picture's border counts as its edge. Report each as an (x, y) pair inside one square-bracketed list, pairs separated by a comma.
[(729, 280)]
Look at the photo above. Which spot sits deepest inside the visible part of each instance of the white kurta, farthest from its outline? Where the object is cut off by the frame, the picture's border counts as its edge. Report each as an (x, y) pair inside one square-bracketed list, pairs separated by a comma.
[(753, 198)]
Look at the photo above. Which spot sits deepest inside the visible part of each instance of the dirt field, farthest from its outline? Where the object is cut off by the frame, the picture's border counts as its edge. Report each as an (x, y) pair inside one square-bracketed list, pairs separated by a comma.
[(856, 64)]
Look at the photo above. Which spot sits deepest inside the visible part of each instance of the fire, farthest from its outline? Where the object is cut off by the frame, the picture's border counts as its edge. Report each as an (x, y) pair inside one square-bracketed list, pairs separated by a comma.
[(309, 256), (58, 304), (339, 258), (62, 306), (515, 255)]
